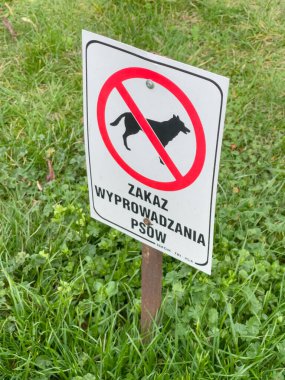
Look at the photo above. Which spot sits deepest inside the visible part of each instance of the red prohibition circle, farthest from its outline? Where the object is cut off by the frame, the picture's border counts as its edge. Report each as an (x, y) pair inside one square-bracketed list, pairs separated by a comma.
[(115, 82)]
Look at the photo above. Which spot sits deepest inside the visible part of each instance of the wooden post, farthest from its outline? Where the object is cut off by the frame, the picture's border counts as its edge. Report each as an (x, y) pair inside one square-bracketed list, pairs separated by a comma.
[(151, 288)]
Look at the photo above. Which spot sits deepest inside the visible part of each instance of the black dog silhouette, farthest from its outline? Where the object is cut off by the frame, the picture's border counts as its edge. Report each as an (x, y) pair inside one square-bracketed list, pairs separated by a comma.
[(164, 130)]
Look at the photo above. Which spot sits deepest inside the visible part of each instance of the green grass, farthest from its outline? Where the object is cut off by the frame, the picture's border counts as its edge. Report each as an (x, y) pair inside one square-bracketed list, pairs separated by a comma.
[(69, 286)]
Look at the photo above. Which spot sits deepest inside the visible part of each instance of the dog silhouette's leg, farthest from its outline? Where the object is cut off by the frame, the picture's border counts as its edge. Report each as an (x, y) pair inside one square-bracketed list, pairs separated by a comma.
[(161, 161), (125, 135)]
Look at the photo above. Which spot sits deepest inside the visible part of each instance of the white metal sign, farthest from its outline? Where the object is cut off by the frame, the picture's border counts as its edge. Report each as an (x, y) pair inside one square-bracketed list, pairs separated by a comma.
[(153, 132)]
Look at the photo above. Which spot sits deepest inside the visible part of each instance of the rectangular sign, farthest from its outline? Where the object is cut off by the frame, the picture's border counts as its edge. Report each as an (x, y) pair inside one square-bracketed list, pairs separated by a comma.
[(153, 133)]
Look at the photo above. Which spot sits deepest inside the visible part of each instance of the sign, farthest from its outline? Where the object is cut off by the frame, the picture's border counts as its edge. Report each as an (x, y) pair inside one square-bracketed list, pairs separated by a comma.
[(153, 132)]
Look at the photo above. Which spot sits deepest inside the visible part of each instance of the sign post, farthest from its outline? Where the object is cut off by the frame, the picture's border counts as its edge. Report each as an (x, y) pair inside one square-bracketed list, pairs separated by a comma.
[(151, 289)]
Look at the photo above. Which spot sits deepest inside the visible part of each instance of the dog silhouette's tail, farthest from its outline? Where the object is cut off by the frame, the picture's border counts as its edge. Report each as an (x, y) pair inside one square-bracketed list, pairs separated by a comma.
[(116, 122)]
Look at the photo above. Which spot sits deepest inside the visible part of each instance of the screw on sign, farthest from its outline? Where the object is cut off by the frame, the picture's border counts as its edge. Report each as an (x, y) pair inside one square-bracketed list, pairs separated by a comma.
[(149, 84), (153, 133)]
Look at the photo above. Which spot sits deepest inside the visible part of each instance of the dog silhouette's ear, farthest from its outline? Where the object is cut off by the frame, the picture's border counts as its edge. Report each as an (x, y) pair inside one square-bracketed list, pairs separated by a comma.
[(173, 116), (178, 117)]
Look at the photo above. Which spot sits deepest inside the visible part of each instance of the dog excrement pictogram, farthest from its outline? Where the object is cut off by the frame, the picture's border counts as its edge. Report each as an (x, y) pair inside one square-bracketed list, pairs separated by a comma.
[(158, 133), (165, 130)]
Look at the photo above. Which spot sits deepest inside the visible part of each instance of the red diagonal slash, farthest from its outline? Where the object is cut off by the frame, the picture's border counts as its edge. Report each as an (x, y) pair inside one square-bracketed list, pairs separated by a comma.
[(148, 130)]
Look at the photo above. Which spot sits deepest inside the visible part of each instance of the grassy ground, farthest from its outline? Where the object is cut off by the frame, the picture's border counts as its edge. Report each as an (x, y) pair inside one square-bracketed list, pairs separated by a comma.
[(69, 286)]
